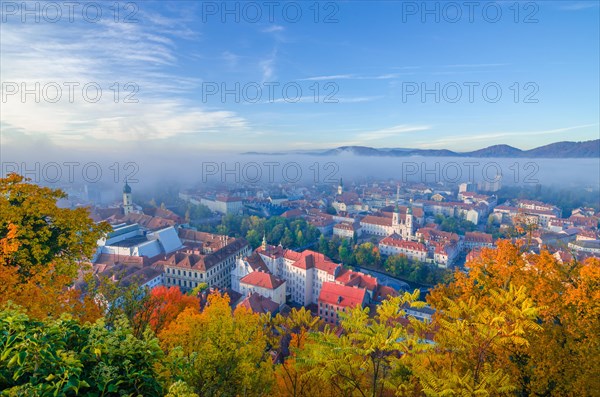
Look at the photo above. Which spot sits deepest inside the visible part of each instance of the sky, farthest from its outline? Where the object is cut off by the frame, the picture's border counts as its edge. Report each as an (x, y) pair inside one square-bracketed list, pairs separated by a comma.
[(271, 75)]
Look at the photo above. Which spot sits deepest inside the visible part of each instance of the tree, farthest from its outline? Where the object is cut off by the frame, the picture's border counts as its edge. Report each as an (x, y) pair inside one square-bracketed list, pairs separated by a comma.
[(198, 289), (345, 253), (44, 293), (367, 359), (165, 304), (63, 357), (218, 352), (253, 238), (323, 245), (367, 254), (289, 335), (397, 265), (473, 343), (45, 233), (556, 359)]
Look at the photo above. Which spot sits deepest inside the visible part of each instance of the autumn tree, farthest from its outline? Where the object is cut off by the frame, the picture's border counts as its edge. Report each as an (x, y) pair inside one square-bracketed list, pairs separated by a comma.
[(368, 358), (556, 359), (288, 337), (473, 342), (44, 293), (219, 352), (165, 304), (45, 233)]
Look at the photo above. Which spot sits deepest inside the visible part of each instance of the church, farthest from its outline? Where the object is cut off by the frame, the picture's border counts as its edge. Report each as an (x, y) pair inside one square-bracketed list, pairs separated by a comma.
[(127, 199), (401, 222)]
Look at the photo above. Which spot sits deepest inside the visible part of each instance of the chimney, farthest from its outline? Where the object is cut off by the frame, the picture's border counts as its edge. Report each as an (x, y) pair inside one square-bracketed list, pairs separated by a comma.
[(310, 261)]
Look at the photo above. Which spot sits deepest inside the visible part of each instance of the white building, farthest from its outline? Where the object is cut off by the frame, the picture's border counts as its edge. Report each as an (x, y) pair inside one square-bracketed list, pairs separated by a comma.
[(265, 284), (201, 264), (223, 205), (303, 272), (394, 245), (347, 230), (133, 240), (401, 224)]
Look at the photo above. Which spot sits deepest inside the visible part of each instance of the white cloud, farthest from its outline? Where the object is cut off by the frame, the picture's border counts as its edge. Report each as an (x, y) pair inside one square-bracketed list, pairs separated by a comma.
[(110, 55), (579, 5), (458, 139), (273, 29)]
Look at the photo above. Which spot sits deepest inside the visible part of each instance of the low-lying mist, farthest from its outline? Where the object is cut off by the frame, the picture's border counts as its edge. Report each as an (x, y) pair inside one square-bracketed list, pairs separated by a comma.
[(149, 169)]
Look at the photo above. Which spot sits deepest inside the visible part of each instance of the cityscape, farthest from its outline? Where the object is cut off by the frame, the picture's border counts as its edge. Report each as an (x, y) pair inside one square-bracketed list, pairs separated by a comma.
[(344, 198)]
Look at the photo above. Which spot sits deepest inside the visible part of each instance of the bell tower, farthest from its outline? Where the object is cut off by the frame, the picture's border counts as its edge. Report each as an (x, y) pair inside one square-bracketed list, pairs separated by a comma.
[(396, 214), (127, 199), (409, 221), (264, 242)]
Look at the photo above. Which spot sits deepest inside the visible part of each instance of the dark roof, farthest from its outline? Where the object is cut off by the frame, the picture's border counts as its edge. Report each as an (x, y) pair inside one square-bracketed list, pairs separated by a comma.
[(259, 304)]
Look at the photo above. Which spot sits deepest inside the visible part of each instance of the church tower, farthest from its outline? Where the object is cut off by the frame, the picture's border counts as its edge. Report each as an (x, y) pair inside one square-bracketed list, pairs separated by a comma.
[(396, 214), (409, 222), (127, 200), (341, 187), (264, 243)]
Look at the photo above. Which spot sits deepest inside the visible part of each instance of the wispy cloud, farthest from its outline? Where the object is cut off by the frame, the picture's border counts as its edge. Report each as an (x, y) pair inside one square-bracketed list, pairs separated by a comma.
[(578, 5), (458, 139), (267, 66), (273, 29), (476, 65), (329, 77), (390, 132), (109, 55), (384, 76)]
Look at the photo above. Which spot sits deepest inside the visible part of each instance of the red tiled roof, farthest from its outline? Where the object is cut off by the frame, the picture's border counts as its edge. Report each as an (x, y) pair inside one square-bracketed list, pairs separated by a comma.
[(396, 242), (351, 278), (473, 254), (377, 220), (416, 211), (346, 226), (433, 234), (262, 279), (293, 213), (259, 304), (478, 237), (228, 199), (162, 213), (272, 251), (341, 295), (383, 292), (309, 259)]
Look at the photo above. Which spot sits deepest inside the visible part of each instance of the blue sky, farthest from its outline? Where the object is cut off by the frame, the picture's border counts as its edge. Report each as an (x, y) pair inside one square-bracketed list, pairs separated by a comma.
[(365, 59)]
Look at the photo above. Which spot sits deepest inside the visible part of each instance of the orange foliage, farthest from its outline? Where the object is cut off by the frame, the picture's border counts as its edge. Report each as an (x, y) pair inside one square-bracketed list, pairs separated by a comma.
[(45, 293), (165, 304), (557, 360)]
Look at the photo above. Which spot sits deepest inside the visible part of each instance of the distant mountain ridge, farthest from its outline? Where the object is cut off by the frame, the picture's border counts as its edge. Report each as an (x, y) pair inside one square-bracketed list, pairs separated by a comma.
[(585, 149)]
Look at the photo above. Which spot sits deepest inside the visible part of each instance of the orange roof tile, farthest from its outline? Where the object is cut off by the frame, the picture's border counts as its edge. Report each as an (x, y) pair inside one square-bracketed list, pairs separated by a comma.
[(341, 295), (263, 280)]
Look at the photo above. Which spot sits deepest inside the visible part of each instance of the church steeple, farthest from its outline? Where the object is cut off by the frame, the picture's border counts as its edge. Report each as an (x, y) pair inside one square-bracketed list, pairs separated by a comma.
[(409, 220), (264, 242), (341, 187), (396, 214), (127, 199)]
